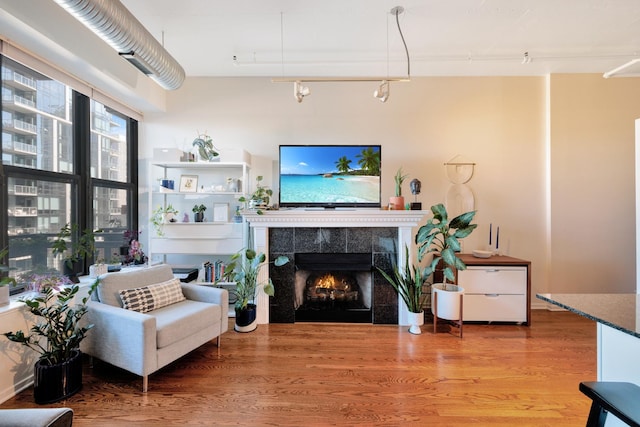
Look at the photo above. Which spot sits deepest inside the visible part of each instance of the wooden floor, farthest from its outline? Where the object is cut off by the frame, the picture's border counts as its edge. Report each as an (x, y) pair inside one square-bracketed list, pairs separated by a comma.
[(353, 374)]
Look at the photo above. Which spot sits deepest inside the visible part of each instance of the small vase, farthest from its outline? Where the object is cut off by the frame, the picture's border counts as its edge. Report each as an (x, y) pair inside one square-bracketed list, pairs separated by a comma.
[(415, 321), (198, 217)]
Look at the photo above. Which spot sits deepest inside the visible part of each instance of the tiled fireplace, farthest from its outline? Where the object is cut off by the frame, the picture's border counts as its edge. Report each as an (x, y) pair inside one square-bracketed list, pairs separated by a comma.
[(350, 243)]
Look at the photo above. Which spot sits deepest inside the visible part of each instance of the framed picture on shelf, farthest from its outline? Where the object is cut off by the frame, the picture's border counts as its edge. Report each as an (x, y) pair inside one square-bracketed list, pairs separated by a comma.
[(188, 183)]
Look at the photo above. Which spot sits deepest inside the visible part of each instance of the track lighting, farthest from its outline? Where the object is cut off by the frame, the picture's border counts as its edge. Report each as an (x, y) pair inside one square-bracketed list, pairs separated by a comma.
[(299, 91), (382, 93)]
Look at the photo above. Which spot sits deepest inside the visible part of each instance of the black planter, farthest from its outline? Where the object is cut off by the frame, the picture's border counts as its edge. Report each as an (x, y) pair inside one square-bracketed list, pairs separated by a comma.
[(199, 216), (246, 319), (73, 271), (54, 383)]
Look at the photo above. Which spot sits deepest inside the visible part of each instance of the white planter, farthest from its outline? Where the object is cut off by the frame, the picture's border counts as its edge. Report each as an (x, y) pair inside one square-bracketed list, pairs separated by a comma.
[(4, 295), (449, 301), (415, 321)]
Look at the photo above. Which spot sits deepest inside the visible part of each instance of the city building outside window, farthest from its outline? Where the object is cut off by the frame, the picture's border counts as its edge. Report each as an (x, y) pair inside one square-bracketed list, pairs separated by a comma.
[(39, 157)]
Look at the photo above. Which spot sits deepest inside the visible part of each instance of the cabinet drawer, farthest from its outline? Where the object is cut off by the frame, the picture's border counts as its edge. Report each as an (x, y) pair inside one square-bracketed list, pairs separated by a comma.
[(494, 308), (493, 280)]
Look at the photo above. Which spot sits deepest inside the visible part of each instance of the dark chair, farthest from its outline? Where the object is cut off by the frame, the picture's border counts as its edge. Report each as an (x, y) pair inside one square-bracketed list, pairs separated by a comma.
[(36, 417), (619, 398)]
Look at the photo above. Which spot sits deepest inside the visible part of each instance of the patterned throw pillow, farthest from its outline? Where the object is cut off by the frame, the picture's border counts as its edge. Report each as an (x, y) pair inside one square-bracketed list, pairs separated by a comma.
[(152, 297)]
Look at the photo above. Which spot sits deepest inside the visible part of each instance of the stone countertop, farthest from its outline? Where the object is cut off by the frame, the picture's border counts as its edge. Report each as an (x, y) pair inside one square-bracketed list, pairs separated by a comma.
[(620, 311)]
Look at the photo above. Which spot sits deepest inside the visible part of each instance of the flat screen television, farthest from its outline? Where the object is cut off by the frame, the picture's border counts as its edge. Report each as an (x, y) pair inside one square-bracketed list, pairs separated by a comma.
[(330, 176)]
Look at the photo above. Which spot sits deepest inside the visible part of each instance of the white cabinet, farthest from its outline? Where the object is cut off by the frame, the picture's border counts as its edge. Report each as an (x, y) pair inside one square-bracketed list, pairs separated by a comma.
[(217, 186), (496, 293)]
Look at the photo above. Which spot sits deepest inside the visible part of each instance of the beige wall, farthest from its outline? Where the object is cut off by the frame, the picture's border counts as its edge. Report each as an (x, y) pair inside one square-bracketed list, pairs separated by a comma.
[(592, 247), (547, 187), (496, 122)]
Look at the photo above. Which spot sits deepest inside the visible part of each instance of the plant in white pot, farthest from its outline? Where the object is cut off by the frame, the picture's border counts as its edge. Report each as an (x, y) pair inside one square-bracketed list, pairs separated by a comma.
[(441, 238), (410, 284), (5, 281), (243, 270), (56, 336)]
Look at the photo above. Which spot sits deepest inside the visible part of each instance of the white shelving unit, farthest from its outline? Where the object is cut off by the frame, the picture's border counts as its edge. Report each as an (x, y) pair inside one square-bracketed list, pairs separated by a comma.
[(189, 242)]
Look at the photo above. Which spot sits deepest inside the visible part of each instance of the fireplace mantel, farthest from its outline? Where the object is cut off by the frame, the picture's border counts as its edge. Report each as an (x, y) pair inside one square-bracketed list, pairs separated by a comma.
[(335, 218), (404, 221)]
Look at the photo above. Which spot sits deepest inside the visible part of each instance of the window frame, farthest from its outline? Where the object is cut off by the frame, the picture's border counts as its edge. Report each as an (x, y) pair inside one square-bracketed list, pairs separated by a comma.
[(82, 183)]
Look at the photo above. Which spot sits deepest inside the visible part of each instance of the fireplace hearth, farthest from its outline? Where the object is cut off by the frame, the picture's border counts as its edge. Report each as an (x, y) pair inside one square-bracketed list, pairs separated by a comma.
[(333, 287)]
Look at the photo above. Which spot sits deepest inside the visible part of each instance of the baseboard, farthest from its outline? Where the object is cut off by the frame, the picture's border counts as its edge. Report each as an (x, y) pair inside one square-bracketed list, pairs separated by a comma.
[(10, 392)]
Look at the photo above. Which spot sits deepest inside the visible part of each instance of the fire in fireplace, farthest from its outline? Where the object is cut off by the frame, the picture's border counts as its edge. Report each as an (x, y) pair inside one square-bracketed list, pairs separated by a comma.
[(333, 287)]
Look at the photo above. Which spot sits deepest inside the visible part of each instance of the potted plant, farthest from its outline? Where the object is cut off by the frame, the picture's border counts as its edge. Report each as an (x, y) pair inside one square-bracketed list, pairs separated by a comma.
[(5, 281), (409, 284), (74, 251), (56, 336), (198, 211), (260, 197), (206, 149), (397, 201), (161, 216), (440, 237), (243, 270)]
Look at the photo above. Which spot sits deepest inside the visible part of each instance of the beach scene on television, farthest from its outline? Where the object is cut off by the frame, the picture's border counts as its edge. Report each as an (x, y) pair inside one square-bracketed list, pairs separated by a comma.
[(330, 174)]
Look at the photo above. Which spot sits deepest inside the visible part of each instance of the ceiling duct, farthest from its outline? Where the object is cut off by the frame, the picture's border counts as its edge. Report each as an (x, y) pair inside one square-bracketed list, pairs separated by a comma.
[(113, 23)]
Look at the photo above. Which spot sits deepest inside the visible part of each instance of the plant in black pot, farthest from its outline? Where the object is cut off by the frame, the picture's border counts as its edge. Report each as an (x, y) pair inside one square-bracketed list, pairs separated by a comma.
[(244, 269), (440, 237), (410, 284), (75, 249), (56, 336), (198, 211)]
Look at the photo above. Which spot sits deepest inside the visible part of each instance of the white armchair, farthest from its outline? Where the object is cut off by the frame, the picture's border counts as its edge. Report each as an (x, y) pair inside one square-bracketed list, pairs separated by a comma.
[(142, 343)]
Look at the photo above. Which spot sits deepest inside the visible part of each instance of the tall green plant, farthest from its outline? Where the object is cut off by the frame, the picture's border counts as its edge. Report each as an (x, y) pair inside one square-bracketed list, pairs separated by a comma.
[(58, 333), (440, 237), (399, 179), (4, 269), (74, 250), (243, 270), (409, 283)]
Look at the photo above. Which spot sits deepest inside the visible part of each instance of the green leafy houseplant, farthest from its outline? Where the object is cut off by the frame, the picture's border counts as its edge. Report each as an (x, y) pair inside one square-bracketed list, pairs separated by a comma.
[(5, 280), (56, 337), (243, 270), (206, 149), (260, 196), (161, 215), (57, 333), (199, 208), (74, 250), (408, 283), (441, 237)]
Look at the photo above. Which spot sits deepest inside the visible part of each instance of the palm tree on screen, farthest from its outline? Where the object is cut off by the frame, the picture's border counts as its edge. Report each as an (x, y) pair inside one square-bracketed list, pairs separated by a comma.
[(369, 161), (342, 164)]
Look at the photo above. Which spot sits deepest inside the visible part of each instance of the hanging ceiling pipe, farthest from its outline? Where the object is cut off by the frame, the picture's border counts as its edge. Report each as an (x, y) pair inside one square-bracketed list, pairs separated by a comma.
[(113, 23)]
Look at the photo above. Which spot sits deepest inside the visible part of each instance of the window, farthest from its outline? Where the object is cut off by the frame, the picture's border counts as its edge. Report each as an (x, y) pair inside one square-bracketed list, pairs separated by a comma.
[(45, 126)]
